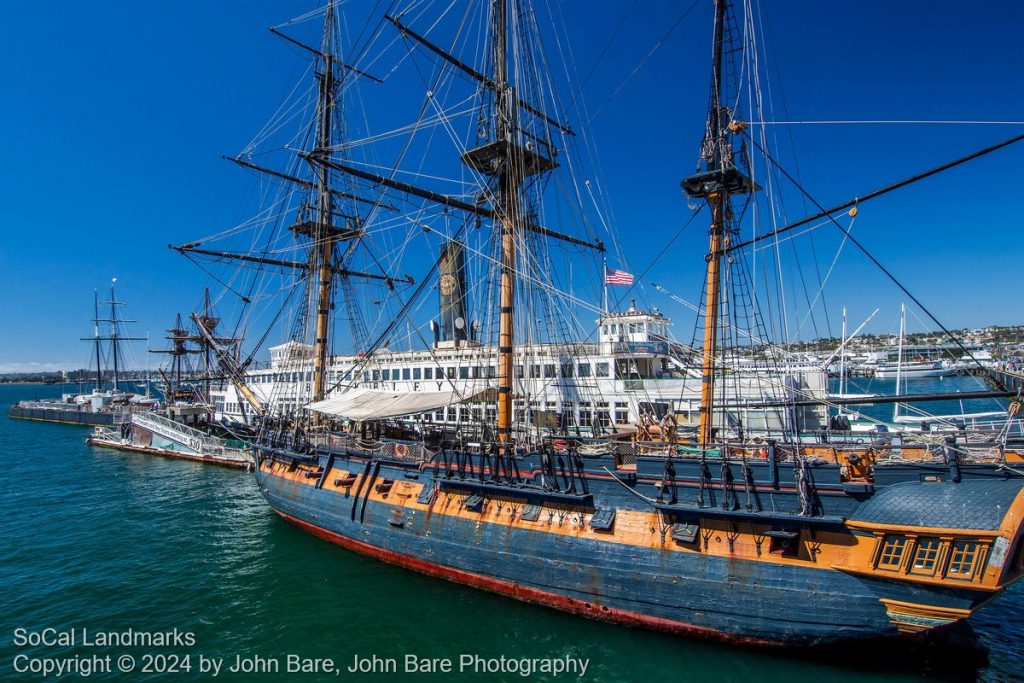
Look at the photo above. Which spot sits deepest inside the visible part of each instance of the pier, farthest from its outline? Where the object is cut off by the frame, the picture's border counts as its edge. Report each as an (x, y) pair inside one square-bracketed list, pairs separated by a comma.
[(1011, 381)]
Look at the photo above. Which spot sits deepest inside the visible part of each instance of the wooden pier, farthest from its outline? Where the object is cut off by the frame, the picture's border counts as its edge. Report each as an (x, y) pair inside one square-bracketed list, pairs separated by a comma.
[(1004, 379)]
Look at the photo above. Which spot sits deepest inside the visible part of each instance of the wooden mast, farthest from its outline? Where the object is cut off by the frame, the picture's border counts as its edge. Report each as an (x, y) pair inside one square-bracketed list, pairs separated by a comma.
[(508, 192), (322, 253), (715, 182)]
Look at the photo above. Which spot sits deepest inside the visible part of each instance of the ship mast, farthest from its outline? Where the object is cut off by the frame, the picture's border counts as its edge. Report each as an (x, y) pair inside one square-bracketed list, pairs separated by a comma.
[(321, 264), (508, 210), (716, 181), (96, 338)]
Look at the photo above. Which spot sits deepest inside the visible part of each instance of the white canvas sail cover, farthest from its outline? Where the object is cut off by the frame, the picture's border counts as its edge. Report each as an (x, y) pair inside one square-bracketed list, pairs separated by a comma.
[(370, 404)]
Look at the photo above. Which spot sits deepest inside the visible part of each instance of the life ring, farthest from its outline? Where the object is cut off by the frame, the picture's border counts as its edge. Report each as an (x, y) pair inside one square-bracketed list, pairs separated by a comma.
[(401, 450)]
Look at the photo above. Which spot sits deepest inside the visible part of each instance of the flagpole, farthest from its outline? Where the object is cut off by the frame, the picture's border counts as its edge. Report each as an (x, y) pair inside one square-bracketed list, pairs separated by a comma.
[(604, 279)]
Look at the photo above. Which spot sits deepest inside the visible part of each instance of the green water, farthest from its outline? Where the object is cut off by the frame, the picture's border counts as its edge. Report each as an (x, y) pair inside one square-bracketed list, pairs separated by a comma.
[(108, 541)]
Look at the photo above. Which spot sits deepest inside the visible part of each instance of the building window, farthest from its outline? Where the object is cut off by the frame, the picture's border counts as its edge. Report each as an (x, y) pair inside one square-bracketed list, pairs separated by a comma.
[(584, 370), (926, 555), (963, 560), (428, 373), (892, 552), (621, 417), (417, 373), (602, 370), (584, 418)]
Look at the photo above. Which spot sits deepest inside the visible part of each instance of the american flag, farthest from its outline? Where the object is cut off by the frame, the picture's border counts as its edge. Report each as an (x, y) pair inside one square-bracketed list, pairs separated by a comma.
[(617, 277)]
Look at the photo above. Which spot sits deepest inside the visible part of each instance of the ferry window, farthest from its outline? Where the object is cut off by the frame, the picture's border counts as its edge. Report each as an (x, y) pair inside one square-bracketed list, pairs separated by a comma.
[(963, 559), (892, 552), (584, 370), (519, 372), (478, 371), (417, 373), (926, 555), (549, 371), (635, 328), (451, 373), (428, 373), (602, 370), (534, 371), (464, 372), (366, 377), (492, 372), (405, 373), (386, 375), (376, 375), (439, 415), (492, 414), (567, 370)]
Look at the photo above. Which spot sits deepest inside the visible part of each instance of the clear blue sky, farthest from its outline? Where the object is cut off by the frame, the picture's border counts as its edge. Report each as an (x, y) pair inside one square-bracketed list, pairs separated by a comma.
[(116, 114)]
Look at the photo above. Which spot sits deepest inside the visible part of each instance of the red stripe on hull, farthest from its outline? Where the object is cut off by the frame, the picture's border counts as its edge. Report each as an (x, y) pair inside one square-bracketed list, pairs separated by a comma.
[(514, 590)]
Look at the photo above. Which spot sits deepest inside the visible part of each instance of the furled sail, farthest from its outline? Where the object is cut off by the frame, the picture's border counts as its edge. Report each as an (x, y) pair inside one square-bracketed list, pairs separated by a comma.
[(371, 404)]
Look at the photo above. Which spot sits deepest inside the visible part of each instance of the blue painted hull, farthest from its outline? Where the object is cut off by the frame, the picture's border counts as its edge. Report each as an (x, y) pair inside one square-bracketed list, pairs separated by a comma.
[(694, 593)]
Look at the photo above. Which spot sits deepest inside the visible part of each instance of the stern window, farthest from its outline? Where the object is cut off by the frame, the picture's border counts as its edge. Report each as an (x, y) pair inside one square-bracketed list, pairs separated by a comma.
[(892, 552), (925, 556), (963, 560)]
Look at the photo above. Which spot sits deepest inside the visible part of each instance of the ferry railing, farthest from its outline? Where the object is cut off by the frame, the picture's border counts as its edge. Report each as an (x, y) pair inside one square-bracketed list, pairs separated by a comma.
[(204, 443)]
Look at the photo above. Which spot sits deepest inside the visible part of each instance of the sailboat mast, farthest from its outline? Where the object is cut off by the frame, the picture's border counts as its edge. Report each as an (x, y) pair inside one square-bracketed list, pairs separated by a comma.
[(323, 234), (508, 187), (899, 358), (113, 334), (96, 336), (718, 199)]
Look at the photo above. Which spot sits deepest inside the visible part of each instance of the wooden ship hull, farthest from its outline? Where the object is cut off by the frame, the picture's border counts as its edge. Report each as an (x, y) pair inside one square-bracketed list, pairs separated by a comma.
[(745, 566)]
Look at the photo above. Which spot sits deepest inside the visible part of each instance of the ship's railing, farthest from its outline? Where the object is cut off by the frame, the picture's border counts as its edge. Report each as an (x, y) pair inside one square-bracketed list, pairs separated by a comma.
[(920, 450), (398, 451), (107, 434)]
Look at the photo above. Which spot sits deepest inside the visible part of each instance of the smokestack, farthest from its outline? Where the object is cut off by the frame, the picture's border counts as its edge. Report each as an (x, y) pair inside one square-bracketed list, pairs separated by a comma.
[(452, 286)]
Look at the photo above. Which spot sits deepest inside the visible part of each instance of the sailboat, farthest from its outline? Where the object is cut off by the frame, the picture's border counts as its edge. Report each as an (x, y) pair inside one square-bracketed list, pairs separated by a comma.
[(183, 427), (108, 403), (715, 532)]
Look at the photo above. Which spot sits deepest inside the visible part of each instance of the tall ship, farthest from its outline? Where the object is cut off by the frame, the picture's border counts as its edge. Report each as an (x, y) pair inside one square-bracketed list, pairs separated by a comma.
[(185, 426), (728, 515), (111, 401)]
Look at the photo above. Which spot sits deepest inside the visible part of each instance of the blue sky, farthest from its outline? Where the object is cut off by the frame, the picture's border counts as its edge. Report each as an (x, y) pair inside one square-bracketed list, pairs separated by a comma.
[(117, 115)]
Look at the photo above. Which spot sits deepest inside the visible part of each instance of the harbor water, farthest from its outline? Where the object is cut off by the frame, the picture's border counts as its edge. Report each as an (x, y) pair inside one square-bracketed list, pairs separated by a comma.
[(105, 541)]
